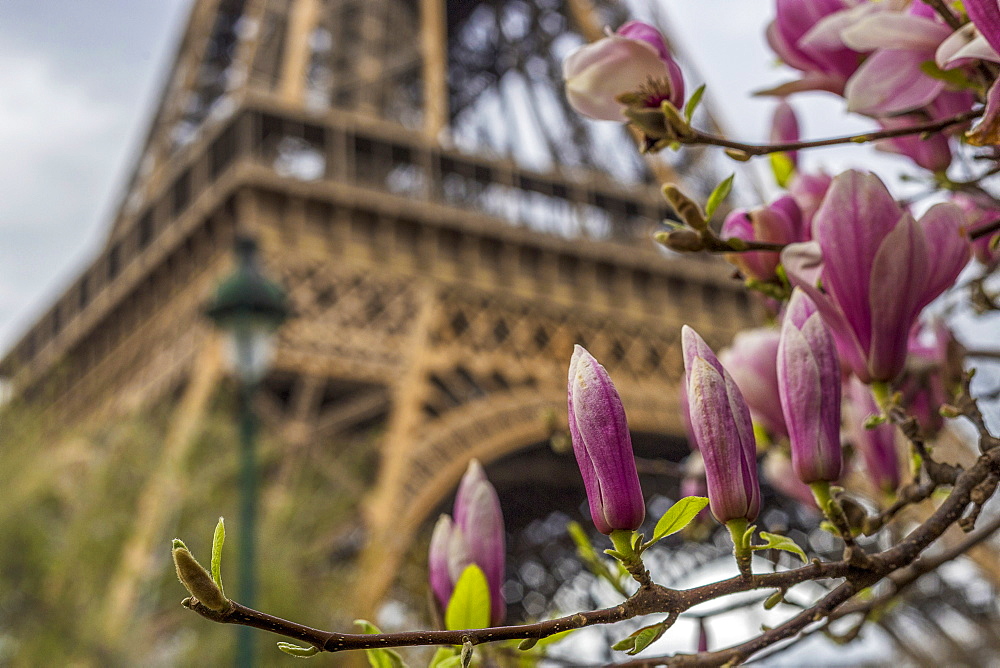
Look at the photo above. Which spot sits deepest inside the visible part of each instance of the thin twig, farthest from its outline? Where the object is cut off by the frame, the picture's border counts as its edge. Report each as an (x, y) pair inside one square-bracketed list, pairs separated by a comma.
[(751, 150)]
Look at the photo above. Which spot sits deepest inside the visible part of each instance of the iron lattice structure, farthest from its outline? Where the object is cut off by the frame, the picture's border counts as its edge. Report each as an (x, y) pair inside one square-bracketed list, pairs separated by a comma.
[(440, 273)]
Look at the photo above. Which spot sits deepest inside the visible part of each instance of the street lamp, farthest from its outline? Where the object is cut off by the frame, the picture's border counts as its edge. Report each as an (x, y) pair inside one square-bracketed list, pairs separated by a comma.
[(249, 309)]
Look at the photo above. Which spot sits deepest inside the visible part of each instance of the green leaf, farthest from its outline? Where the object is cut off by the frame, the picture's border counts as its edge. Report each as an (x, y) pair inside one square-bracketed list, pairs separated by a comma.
[(379, 658), (218, 540), (720, 193), (693, 102), (782, 167), (296, 651), (955, 77), (776, 542), (469, 607), (445, 657), (678, 516), (584, 548), (641, 639)]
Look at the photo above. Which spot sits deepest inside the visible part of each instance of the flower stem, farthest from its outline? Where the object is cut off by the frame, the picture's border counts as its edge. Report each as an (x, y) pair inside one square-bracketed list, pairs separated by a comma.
[(741, 545), (830, 507), (883, 396), (624, 540)]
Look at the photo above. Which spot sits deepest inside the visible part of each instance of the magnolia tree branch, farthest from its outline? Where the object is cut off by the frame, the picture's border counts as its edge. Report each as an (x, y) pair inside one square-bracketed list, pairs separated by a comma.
[(654, 598), (751, 150)]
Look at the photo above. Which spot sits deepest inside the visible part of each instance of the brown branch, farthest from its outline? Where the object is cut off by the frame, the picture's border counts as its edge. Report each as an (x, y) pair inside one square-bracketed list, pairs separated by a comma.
[(751, 150), (973, 486), (945, 13)]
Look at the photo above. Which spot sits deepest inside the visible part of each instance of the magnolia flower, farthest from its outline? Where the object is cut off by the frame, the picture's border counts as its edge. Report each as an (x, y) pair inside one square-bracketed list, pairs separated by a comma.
[(785, 128), (890, 80), (979, 40), (603, 446), (779, 222), (878, 445), (872, 268), (721, 422), (476, 536), (805, 35), (809, 386), (634, 61), (808, 190), (752, 361)]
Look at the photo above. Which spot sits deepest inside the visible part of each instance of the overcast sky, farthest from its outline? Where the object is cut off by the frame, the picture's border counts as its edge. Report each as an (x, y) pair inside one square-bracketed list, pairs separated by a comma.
[(79, 80)]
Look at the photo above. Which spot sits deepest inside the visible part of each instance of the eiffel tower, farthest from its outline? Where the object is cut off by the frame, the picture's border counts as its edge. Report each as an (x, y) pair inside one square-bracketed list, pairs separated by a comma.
[(447, 229)]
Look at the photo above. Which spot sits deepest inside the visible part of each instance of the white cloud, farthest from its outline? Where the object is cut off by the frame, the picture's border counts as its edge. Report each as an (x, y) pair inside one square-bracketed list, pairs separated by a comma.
[(61, 147)]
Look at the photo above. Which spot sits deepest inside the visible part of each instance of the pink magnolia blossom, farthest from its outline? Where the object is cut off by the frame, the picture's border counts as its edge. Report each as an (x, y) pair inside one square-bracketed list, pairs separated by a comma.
[(809, 388), (785, 128), (752, 362), (779, 222), (877, 446), (721, 422), (603, 446), (891, 81), (633, 60), (979, 40), (475, 536), (804, 35), (872, 268), (808, 190)]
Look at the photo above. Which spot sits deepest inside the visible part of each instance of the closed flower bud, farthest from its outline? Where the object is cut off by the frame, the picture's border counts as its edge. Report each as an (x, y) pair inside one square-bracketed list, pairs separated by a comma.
[(785, 128), (603, 446), (780, 222), (721, 423), (476, 536), (633, 62), (809, 386)]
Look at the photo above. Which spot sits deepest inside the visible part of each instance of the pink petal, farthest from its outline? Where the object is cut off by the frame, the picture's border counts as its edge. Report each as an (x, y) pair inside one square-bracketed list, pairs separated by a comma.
[(962, 47), (893, 294), (596, 74), (987, 132), (891, 82), (944, 227), (892, 30), (986, 15), (804, 264), (855, 216)]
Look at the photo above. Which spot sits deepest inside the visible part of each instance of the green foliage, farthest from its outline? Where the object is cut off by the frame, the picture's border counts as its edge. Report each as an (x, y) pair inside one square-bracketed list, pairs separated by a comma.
[(776, 542), (692, 104), (469, 607), (678, 516), (718, 195), (641, 639), (782, 168), (297, 651), (73, 500), (218, 540), (380, 658), (446, 657)]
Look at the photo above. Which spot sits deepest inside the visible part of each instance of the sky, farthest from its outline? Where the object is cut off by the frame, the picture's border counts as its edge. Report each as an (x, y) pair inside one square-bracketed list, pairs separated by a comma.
[(80, 81)]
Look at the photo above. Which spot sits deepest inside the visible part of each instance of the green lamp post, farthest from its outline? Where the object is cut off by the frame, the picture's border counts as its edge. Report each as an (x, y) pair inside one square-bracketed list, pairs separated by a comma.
[(249, 308)]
